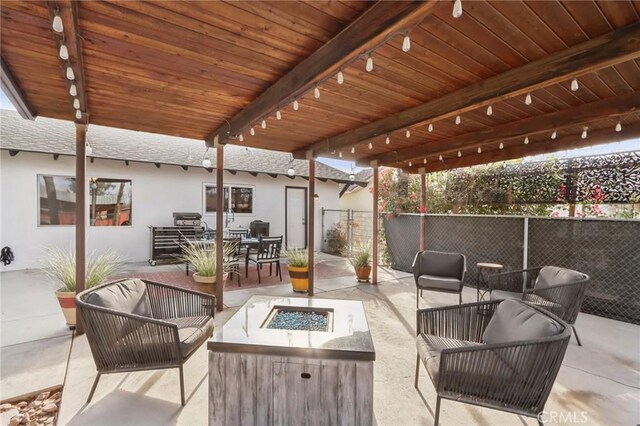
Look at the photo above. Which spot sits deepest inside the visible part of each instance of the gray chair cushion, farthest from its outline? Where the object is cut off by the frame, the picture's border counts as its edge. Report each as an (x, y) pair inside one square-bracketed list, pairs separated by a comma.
[(513, 321), (129, 297), (429, 349), (504, 295), (441, 264), (439, 283), (550, 276), (192, 332)]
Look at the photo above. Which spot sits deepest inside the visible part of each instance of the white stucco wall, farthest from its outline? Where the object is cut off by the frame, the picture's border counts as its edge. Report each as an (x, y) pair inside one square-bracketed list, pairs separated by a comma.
[(360, 199), (157, 193)]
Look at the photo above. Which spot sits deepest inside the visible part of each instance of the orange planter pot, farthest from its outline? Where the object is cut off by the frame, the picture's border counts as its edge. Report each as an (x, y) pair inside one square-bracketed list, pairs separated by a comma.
[(363, 273), (299, 278), (67, 301)]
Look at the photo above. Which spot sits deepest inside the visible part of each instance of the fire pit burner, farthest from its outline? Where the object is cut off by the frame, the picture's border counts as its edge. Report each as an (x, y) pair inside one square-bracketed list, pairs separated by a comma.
[(298, 318)]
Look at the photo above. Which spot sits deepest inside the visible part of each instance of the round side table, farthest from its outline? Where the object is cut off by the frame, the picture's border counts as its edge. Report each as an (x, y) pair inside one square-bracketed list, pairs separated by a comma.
[(482, 280)]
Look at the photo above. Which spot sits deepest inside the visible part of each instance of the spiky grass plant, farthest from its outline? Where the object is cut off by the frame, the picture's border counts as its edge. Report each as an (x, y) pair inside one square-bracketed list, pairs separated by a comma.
[(60, 266), (297, 257), (361, 254), (203, 256)]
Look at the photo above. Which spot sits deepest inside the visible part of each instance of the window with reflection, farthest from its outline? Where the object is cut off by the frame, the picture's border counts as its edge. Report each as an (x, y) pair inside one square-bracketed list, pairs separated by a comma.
[(56, 200), (237, 198), (110, 202)]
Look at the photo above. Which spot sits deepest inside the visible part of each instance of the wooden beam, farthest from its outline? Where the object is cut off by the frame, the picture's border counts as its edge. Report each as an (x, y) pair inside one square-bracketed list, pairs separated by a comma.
[(344, 189), (563, 143), (311, 226), (14, 92), (81, 211), (68, 11), (371, 28), (602, 52), (374, 236), (582, 114), (219, 225)]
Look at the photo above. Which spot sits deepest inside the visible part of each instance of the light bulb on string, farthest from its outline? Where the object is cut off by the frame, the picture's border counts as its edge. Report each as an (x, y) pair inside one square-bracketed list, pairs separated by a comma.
[(479, 150), (64, 52), (73, 91), (296, 105), (252, 131), (78, 114), (387, 140), (70, 74), (340, 77), (440, 157), (57, 23), (241, 138), (408, 133), (369, 65), (458, 119), (206, 161), (263, 124), (370, 145), (501, 145), (406, 43), (619, 127), (528, 100), (291, 171), (554, 134), (353, 149), (584, 133), (457, 9), (340, 154), (430, 128), (489, 110), (574, 85), (278, 115), (352, 176), (459, 154), (316, 92), (424, 161), (76, 103), (410, 164), (526, 140)]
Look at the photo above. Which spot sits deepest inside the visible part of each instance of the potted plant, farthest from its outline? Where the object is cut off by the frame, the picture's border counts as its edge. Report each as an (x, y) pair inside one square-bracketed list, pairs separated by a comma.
[(203, 258), (61, 268), (361, 258), (298, 266)]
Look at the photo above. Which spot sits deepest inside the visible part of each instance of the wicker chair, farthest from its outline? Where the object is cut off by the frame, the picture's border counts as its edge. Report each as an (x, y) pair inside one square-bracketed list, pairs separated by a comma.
[(439, 271), (558, 290), (134, 325), (497, 354), (268, 253)]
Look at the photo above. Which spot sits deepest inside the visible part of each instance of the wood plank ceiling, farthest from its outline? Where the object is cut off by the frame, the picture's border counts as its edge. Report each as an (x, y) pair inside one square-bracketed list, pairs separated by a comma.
[(186, 68)]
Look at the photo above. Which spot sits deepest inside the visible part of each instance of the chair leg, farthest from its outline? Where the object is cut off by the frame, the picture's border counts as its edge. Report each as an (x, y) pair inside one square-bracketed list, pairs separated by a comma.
[(575, 332), (417, 299), (460, 298), (182, 387), (258, 268), (437, 417), (415, 384), (270, 269), (279, 270), (540, 422), (246, 268), (93, 388)]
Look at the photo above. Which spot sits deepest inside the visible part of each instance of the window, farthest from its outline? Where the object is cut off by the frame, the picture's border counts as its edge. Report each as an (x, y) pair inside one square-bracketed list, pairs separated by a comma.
[(240, 200), (110, 202), (57, 200)]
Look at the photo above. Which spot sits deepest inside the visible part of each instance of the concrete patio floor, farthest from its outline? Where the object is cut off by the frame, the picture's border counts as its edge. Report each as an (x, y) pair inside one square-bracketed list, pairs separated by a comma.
[(600, 379)]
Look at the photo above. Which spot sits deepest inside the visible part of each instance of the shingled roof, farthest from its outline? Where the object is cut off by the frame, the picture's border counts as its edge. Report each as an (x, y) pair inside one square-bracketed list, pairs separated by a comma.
[(53, 136)]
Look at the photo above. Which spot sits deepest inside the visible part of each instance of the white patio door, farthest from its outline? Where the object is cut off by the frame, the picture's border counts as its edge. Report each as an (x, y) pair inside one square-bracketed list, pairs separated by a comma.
[(296, 217)]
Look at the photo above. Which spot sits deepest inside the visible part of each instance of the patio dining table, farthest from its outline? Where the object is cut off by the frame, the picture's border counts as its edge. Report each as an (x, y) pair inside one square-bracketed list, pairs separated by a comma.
[(249, 243)]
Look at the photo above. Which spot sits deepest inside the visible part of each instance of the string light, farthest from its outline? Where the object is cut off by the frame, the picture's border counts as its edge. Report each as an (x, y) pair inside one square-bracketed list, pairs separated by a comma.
[(64, 52), (263, 124), (554, 134), (369, 65), (526, 140), (440, 157), (206, 161), (296, 105), (406, 43), (619, 127), (241, 138), (528, 100), (430, 128), (291, 171), (424, 161), (340, 154), (79, 115), (408, 133), (76, 103), (501, 145), (340, 77), (489, 110), (457, 9), (458, 119), (479, 150), (410, 164), (278, 115), (353, 149), (387, 140), (73, 91), (459, 154), (574, 85), (584, 132), (252, 131), (57, 23), (70, 74), (352, 177), (316, 92), (370, 145)]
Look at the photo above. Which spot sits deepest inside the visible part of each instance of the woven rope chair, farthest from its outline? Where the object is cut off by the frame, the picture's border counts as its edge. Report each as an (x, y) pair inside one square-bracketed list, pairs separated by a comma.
[(135, 325), (439, 271), (515, 376), (560, 291)]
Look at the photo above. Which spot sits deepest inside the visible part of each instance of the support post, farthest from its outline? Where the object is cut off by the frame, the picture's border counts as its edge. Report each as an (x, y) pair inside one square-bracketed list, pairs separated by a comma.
[(81, 212), (311, 225), (374, 273), (219, 225), (423, 209)]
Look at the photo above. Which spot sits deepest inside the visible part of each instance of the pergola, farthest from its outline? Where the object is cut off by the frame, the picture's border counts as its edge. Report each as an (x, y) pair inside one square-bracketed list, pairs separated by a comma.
[(423, 86)]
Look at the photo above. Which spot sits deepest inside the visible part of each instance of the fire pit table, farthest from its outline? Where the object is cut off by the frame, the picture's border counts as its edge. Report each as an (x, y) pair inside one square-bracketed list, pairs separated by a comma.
[(289, 360)]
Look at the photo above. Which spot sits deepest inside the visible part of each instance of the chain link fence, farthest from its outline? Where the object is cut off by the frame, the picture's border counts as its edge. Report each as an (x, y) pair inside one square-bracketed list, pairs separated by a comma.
[(608, 250), (342, 229)]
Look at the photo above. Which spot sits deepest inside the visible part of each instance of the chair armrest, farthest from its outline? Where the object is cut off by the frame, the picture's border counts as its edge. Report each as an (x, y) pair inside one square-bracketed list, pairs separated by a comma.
[(513, 280), (172, 302), (462, 322), (415, 267), (563, 300)]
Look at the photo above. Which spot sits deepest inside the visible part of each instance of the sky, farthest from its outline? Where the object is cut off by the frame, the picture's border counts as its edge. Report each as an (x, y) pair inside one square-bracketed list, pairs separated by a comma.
[(346, 166)]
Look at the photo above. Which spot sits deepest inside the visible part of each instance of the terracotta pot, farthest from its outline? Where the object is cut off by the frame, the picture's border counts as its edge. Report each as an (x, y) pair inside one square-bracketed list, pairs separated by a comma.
[(67, 301), (299, 278), (363, 272)]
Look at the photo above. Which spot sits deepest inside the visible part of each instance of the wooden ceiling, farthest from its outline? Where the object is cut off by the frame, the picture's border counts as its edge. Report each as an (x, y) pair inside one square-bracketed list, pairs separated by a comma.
[(200, 69)]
